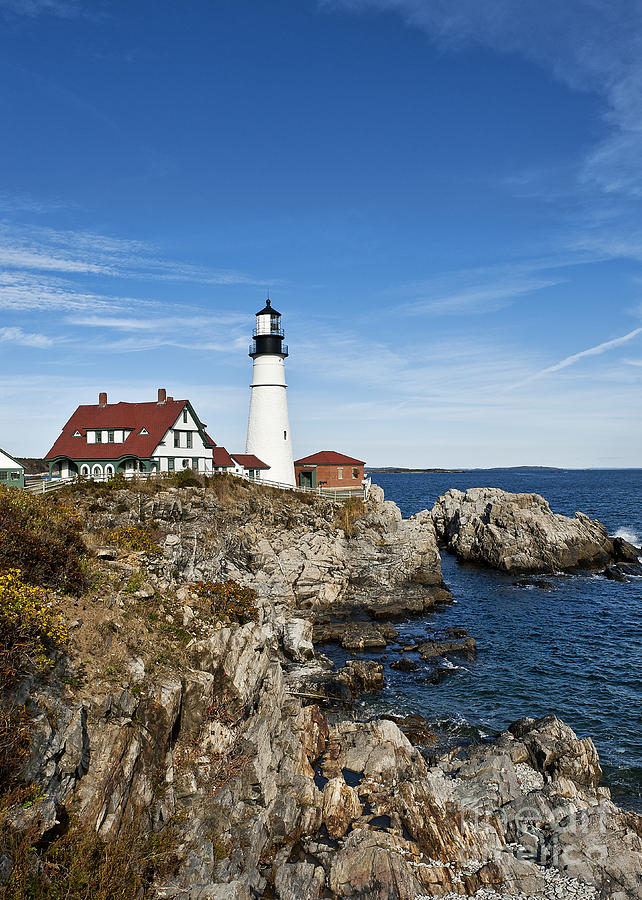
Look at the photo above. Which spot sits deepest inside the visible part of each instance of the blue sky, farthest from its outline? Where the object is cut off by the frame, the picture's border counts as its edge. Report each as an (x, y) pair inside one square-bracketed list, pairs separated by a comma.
[(443, 198)]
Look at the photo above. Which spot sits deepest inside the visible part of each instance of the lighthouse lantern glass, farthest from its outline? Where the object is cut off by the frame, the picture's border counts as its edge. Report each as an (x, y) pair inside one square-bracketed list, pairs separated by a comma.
[(263, 324)]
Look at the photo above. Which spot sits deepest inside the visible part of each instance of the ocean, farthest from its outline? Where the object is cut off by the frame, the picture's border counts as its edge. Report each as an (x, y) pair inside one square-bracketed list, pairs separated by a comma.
[(574, 650)]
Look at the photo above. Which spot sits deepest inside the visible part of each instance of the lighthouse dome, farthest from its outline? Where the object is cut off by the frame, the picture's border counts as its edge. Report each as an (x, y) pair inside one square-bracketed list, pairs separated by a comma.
[(268, 310)]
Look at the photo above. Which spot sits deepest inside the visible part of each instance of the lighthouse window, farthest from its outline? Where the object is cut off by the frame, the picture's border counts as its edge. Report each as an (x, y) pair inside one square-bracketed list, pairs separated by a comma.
[(285, 435)]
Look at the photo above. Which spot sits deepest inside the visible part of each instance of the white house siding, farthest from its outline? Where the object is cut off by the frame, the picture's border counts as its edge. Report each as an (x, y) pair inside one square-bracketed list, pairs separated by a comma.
[(166, 449), (268, 431)]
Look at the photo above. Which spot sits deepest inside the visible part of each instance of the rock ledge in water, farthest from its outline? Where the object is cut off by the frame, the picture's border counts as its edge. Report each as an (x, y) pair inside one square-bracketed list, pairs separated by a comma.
[(519, 533)]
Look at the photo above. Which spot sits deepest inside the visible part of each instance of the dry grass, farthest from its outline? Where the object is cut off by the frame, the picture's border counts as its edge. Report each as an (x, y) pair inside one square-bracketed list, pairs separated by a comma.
[(78, 865), (349, 512)]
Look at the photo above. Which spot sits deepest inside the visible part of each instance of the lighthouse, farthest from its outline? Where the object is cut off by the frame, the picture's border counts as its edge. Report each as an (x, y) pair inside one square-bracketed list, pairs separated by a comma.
[(268, 429)]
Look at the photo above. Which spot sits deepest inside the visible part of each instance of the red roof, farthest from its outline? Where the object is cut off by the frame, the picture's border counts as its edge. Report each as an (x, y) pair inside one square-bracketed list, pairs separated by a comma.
[(220, 457), (249, 461), (156, 418), (328, 458)]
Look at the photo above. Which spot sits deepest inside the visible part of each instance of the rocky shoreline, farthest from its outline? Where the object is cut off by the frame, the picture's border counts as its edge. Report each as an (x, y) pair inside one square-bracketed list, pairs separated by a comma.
[(236, 743)]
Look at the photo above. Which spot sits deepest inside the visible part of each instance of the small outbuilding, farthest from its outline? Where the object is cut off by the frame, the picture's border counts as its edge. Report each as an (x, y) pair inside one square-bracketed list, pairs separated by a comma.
[(12, 472), (222, 462), (330, 469), (249, 465)]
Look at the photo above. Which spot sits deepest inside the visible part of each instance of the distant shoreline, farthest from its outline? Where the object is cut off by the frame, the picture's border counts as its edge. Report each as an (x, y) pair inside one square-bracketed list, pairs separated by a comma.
[(399, 470)]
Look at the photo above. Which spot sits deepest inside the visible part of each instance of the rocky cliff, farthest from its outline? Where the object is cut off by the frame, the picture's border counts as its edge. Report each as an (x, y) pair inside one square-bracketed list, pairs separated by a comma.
[(178, 751)]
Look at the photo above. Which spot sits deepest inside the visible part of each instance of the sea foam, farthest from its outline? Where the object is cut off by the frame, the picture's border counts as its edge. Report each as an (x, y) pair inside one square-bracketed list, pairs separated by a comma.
[(631, 536)]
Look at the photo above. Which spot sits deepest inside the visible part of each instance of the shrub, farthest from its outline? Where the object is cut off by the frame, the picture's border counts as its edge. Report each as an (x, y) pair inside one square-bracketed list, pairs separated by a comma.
[(227, 598), (185, 478), (30, 631), (43, 539), (136, 538)]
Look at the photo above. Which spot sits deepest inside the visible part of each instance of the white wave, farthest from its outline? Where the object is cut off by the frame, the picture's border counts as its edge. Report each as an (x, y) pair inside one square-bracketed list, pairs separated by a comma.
[(629, 535)]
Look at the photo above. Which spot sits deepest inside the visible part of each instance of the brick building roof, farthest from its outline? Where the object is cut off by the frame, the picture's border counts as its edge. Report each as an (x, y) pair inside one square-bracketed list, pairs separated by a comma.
[(328, 458)]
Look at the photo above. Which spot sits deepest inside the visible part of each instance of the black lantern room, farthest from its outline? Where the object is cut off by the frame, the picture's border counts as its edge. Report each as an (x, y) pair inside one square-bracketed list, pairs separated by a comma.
[(268, 334)]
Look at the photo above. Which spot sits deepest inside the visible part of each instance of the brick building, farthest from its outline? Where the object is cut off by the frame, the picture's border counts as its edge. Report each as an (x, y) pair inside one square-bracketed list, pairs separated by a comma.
[(329, 469)]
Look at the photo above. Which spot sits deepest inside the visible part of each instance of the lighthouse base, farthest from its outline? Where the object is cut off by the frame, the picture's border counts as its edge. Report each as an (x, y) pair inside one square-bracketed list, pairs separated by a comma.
[(268, 432)]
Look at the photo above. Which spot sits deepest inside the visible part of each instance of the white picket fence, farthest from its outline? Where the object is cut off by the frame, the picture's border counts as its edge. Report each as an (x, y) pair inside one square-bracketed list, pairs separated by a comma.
[(45, 486)]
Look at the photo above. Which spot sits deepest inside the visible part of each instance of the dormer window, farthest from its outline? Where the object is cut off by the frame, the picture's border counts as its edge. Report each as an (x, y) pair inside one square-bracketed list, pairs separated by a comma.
[(143, 431), (99, 437), (110, 437)]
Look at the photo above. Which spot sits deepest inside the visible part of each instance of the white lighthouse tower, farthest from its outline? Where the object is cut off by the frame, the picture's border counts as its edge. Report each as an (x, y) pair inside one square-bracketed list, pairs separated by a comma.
[(268, 429)]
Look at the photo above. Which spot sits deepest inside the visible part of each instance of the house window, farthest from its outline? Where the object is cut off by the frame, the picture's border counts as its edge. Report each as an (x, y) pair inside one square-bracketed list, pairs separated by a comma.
[(15, 476), (188, 435), (99, 437), (84, 470), (110, 437), (340, 474), (76, 434), (195, 463), (184, 415), (177, 438), (4, 476), (355, 473), (170, 463)]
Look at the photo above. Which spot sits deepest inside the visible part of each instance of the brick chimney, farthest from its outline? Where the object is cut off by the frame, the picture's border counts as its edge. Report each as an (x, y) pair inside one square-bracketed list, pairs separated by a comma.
[(102, 398), (162, 395), (170, 398)]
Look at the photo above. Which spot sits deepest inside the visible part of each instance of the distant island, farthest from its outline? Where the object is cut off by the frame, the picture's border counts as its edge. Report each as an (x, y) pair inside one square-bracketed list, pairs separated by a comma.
[(399, 470)]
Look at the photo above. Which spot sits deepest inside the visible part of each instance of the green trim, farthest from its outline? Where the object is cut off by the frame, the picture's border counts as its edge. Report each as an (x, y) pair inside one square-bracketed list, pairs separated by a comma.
[(302, 479), (7, 479), (147, 464), (199, 424)]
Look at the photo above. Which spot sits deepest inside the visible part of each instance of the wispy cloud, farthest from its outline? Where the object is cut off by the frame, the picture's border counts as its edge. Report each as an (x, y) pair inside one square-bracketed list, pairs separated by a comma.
[(19, 203), (486, 289), (590, 45), (80, 252), (12, 335), (583, 354), (64, 9), (173, 322)]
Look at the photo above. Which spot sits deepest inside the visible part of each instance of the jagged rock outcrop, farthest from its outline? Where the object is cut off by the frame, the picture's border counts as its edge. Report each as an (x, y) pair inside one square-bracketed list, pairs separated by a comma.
[(519, 533), (202, 734)]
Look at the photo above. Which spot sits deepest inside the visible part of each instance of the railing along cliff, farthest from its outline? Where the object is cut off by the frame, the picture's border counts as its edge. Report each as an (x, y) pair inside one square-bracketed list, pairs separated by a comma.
[(46, 486)]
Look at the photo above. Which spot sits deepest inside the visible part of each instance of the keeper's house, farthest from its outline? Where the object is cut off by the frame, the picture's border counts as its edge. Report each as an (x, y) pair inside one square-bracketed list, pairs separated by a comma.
[(329, 469), (12, 473), (164, 436)]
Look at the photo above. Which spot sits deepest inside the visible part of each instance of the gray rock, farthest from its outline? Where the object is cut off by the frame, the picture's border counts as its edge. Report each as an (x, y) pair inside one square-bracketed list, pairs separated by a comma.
[(518, 532)]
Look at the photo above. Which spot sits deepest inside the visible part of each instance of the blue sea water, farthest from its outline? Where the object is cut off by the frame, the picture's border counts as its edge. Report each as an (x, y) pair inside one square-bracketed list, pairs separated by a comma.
[(575, 650)]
